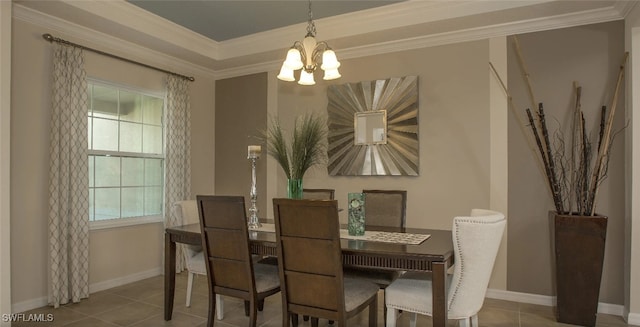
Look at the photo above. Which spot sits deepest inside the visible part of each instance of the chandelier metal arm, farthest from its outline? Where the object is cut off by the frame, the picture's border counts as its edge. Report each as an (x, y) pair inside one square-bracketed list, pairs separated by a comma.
[(321, 47), (316, 53)]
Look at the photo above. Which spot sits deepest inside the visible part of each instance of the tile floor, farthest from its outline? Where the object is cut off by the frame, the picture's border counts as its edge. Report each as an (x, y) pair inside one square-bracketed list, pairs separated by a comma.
[(140, 304)]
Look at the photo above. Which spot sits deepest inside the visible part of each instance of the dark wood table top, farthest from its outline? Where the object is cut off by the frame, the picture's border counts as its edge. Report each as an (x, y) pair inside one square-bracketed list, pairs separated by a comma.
[(438, 247)]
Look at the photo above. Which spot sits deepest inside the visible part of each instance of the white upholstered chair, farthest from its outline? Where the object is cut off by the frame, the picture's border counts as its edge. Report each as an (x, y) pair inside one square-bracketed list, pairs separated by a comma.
[(187, 212), (476, 240)]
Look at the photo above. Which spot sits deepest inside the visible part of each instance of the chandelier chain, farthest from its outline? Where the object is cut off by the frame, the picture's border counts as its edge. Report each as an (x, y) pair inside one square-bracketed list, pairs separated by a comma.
[(311, 27)]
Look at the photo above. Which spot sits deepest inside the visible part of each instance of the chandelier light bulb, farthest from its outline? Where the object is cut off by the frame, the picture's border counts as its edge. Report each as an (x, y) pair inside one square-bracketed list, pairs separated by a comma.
[(306, 78), (294, 59), (286, 73), (331, 74), (329, 60)]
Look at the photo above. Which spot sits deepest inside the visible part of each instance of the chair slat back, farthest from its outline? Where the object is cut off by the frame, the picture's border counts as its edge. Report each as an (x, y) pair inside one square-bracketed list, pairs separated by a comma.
[(308, 240), (318, 193), (476, 240), (226, 243), (385, 208)]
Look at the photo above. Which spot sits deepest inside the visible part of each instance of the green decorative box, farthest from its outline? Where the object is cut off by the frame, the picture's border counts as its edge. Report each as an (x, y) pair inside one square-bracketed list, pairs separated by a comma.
[(355, 222)]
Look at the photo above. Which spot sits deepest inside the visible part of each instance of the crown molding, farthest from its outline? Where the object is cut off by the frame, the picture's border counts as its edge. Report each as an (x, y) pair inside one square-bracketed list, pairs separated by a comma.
[(409, 12), (125, 14), (485, 32), (397, 15), (262, 67), (624, 7), (108, 42)]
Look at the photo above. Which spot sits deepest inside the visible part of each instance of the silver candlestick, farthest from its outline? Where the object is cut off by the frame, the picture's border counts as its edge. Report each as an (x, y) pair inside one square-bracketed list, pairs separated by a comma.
[(253, 155)]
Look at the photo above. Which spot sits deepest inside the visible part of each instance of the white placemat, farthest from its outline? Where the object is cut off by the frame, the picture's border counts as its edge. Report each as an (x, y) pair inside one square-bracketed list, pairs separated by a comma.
[(387, 237), (372, 236)]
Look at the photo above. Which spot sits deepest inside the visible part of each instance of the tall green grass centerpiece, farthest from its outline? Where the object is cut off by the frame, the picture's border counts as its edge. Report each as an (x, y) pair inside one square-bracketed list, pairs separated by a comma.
[(307, 147)]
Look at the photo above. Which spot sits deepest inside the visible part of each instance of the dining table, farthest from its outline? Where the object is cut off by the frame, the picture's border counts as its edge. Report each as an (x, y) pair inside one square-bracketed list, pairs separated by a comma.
[(435, 255)]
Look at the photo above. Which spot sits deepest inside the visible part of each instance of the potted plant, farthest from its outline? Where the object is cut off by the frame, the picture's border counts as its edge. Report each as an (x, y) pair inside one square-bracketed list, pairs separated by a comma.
[(306, 148), (574, 170)]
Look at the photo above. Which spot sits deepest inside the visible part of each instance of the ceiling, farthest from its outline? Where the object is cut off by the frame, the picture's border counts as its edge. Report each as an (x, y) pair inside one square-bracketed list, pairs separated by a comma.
[(225, 38), (224, 20)]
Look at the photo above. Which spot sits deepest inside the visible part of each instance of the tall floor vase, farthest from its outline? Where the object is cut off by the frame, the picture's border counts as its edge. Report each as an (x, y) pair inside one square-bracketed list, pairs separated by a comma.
[(579, 249)]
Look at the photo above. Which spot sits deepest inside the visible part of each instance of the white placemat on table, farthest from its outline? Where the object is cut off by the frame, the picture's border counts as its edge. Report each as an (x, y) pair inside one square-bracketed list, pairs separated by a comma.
[(373, 236)]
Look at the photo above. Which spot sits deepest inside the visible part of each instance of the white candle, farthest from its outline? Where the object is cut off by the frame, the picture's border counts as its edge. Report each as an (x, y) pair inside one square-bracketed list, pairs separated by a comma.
[(254, 151)]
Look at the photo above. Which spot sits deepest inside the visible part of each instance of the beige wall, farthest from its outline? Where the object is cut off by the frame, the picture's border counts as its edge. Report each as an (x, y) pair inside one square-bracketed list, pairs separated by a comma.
[(116, 253), (590, 55), (632, 177), (453, 130), (5, 173), (241, 113)]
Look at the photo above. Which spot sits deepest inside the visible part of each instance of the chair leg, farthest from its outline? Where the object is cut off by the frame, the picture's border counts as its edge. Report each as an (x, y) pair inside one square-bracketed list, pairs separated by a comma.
[(305, 318), (260, 305), (247, 307), (413, 319), (474, 321), (253, 316), (294, 320), (373, 312), (189, 288), (219, 307), (466, 322), (392, 317), (314, 322)]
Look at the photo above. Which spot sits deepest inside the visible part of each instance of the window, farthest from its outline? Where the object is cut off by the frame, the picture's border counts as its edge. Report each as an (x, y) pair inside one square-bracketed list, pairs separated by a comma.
[(126, 156)]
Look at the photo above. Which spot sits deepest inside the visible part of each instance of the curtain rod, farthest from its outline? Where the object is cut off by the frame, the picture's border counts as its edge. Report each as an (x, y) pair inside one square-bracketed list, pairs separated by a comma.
[(52, 38)]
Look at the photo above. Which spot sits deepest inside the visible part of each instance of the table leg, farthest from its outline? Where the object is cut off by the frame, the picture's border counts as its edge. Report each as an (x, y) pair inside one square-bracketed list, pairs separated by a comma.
[(169, 275), (439, 280)]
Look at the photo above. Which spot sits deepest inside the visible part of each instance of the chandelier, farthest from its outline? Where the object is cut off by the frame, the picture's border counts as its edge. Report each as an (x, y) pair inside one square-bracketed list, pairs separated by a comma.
[(305, 55)]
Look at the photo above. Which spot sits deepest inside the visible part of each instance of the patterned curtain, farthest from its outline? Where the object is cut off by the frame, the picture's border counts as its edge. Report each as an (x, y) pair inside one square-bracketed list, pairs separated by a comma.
[(178, 152), (68, 179)]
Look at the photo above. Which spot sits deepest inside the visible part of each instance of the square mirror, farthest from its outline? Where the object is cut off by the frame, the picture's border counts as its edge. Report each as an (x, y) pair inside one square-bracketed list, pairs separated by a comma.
[(370, 127)]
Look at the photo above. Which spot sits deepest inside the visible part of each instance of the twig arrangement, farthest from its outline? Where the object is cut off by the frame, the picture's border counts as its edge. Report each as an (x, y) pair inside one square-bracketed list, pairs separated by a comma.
[(574, 181)]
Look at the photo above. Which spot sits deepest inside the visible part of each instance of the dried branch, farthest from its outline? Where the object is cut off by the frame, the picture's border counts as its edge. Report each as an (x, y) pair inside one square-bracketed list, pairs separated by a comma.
[(545, 161), (555, 188), (603, 119), (606, 139), (525, 73), (517, 114), (575, 148)]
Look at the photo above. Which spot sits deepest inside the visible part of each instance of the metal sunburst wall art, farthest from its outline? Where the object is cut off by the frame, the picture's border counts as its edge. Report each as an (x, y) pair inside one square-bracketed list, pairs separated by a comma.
[(373, 128)]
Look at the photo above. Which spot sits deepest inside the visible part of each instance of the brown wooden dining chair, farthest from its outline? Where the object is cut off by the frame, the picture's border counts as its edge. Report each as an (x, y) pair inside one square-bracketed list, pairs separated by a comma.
[(311, 277), (318, 193), (385, 208), (230, 269), (381, 208)]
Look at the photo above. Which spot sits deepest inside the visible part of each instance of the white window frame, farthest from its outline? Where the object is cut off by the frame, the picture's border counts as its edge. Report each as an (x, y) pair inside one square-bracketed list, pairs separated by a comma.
[(139, 220)]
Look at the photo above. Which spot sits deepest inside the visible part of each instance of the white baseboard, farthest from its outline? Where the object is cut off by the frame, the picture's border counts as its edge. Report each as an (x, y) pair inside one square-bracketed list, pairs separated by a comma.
[(546, 300), (633, 319), (29, 304), (96, 287), (521, 297), (107, 284)]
